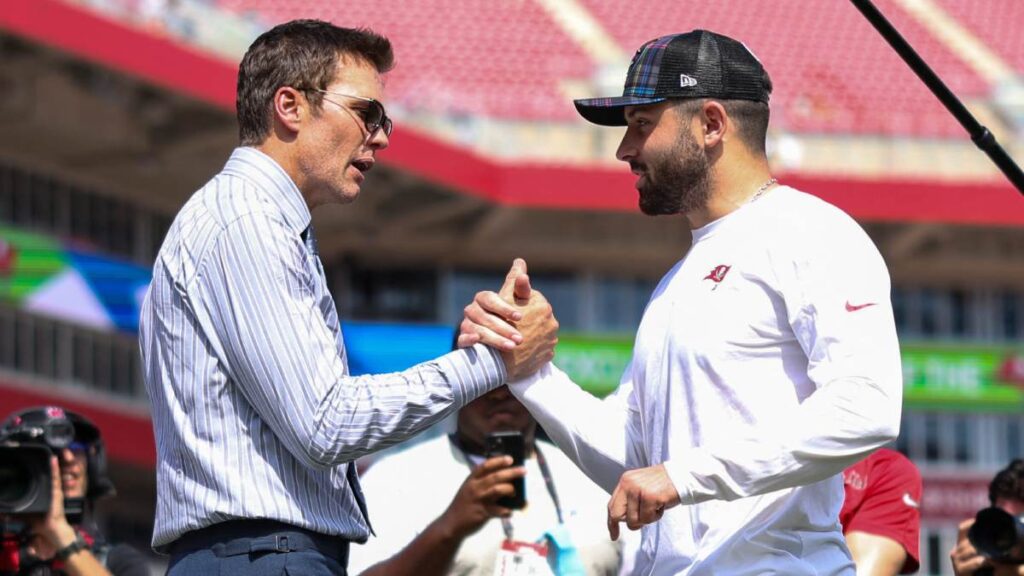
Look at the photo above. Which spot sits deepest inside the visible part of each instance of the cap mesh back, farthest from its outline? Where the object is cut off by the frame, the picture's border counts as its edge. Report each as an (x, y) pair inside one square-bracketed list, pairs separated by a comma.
[(745, 77), (721, 66)]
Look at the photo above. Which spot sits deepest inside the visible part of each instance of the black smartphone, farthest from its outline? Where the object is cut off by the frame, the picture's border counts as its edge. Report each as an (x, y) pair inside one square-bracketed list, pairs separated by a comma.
[(509, 444)]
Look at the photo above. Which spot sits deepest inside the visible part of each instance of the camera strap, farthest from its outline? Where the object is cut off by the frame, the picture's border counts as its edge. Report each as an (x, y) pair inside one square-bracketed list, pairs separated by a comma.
[(545, 472)]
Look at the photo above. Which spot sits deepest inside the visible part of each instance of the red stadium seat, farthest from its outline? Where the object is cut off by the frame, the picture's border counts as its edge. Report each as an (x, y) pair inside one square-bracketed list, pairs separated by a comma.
[(998, 23), (496, 59), (833, 73)]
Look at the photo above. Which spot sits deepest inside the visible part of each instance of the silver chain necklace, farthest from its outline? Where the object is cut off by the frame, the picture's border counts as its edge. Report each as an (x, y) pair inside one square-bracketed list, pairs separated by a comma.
[(764, 188)]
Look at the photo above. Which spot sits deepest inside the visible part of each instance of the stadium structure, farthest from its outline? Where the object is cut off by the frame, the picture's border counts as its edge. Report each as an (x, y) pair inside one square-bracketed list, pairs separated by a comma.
[(112, 112)]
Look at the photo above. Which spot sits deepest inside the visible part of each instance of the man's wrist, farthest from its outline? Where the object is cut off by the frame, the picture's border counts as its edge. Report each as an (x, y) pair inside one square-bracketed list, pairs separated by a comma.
[(61, 536), (679, 474), (74, 547)]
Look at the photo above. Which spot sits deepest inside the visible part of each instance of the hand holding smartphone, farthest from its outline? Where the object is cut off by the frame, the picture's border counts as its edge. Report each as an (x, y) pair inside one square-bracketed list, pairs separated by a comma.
[(510, 444)]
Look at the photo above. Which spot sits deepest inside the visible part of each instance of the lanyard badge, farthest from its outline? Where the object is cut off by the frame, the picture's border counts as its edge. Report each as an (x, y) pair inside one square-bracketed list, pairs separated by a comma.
[(516, 558)]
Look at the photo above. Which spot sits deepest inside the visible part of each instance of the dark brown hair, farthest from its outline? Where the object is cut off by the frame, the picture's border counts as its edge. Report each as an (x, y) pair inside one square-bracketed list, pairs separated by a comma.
[(302, 54), (1008, 483), (751, 118)]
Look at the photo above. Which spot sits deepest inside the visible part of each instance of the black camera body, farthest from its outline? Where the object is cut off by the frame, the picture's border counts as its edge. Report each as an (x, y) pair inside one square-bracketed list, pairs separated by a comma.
[(27, 442), (998, 536), (24, 479)]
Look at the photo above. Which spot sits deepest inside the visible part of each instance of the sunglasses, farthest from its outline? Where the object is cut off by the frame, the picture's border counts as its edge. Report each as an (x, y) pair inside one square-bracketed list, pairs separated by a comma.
[(373, 116)]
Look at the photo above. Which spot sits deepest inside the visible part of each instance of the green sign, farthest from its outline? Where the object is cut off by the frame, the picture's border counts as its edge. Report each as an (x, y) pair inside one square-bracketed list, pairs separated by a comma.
[(27, 261), (594, 362), (963, 377), (934, 376)]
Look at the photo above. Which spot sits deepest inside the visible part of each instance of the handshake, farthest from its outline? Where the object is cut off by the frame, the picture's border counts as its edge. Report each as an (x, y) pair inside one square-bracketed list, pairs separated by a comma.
[(517, 320)]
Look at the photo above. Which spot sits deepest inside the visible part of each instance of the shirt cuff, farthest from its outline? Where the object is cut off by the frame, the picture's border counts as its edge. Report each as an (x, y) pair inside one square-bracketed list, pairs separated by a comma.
[(682, 478), (546, 374), (473, 371)]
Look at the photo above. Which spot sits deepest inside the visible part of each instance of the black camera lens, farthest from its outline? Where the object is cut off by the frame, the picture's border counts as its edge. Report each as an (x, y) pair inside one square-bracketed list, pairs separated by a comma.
[(15, 483), (18, 480), (996, 534)]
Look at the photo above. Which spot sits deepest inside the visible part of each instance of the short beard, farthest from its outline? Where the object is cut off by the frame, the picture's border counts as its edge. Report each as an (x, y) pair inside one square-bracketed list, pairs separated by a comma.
[(678, 181)]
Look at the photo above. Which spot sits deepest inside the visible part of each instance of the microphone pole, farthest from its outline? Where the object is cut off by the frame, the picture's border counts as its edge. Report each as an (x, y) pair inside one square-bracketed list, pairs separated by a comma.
[(980, 135)]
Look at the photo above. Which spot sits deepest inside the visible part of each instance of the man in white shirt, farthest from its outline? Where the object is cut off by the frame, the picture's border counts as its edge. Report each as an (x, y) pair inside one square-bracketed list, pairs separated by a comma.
[(767, 359), (437, 507)]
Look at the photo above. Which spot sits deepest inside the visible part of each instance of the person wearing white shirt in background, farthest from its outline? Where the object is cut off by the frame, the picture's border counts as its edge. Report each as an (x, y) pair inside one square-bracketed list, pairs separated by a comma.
[(436, 508), (766, 361)]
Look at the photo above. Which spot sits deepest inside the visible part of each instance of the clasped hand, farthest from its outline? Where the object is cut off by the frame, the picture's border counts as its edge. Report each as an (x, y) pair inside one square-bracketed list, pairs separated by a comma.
[(517, 320)]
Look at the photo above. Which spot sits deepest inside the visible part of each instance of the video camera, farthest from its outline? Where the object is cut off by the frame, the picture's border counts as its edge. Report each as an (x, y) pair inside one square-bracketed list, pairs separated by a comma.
[(998, 536), (27, 442)]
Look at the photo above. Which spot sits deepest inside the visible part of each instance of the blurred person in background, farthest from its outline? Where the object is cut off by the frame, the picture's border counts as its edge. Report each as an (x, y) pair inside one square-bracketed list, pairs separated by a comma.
[(257, 421), (438, 512), (767, 359), (881, 514), (50, 543), (1006, 491)]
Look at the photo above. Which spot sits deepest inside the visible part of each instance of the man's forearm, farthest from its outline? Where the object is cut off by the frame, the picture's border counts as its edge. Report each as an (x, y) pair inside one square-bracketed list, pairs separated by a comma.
[(84, 563), (593, 434), (876, 555), (833, 428), (429, 554)]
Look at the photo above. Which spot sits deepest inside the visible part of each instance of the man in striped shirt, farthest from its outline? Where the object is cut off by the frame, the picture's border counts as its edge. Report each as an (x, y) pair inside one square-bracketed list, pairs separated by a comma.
[(257, 419)]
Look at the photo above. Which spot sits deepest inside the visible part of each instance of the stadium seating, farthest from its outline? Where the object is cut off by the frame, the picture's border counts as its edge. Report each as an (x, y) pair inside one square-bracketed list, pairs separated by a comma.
[(505, 59), (479, 57), (830, 68), (997, 22)]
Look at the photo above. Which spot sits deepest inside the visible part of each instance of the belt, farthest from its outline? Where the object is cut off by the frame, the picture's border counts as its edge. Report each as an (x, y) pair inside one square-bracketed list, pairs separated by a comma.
[(236, 537)]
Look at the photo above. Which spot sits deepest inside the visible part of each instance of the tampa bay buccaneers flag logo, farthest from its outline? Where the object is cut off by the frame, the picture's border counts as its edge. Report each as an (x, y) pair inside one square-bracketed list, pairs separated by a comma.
[(718, 273)]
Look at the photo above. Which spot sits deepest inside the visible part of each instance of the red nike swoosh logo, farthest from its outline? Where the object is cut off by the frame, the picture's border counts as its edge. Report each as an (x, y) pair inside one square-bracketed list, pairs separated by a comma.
[(854, 308)]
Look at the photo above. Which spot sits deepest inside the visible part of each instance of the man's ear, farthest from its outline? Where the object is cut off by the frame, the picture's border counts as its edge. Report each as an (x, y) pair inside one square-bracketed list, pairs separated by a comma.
[(290, 108), (716, 122)]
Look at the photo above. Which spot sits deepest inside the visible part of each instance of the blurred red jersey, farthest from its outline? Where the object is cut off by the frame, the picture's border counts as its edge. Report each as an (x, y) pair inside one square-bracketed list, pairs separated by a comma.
[(883, 497)]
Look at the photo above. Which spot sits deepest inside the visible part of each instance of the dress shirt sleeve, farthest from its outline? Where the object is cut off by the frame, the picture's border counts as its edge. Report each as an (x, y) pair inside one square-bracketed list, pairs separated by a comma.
[(600, 436), (255, 292), (836, 295)]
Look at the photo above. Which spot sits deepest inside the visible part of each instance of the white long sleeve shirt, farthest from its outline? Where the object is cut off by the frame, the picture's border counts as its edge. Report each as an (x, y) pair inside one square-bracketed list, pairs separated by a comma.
[(766, 362)]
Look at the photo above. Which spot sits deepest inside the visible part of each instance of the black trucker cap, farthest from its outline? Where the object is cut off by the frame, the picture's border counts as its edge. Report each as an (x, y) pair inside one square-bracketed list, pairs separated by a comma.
[(696, 64)]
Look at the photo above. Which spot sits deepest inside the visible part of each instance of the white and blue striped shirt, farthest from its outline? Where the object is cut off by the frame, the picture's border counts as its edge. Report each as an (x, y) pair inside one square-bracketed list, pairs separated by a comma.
[(254, 411)]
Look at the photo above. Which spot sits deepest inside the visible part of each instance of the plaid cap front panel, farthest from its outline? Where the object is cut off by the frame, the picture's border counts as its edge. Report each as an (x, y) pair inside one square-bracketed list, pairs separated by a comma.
[(642, 78)]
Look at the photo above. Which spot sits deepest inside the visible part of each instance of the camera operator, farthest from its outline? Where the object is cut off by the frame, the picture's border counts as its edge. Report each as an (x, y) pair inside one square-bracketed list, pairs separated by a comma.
[(1006, 491), (51, 544)]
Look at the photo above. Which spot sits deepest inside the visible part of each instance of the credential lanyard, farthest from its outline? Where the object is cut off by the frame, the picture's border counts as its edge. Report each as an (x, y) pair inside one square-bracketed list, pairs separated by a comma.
[(545, 472)]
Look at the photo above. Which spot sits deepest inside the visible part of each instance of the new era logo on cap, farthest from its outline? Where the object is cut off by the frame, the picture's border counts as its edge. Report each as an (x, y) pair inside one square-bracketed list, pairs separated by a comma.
[(697, 64)]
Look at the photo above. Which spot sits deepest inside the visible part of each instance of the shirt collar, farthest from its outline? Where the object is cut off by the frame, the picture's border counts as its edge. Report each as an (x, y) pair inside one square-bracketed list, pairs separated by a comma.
[(737, 215), (262, 170)]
